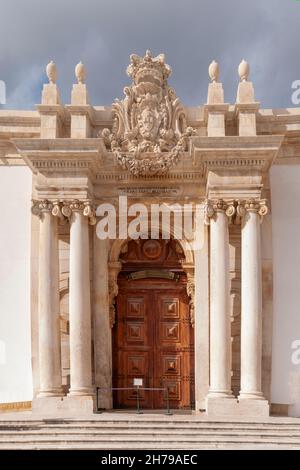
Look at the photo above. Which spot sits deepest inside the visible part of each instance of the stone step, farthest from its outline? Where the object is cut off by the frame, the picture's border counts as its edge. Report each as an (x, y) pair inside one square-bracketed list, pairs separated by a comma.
[(148, 438), (144, 433), (155, 446), (145, 424), (149, 431), (144, 417)]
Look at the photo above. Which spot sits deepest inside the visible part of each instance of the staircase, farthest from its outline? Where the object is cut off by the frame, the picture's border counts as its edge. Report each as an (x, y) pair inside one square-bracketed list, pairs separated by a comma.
[(130, 431)]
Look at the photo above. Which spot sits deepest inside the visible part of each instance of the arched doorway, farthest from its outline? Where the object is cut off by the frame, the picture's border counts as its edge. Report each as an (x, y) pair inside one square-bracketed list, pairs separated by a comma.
[(153, 338)]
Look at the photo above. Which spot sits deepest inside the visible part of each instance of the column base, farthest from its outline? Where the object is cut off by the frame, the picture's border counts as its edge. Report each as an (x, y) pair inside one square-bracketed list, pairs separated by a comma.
[(220, 394), (218, 405), (51, 393), (253, 405), (66, 406), (231, 407), (81, 392), (251, 396)]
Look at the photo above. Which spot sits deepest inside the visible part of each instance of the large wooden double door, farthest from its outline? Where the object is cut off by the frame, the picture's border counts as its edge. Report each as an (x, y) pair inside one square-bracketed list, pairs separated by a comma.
[(153, 340)]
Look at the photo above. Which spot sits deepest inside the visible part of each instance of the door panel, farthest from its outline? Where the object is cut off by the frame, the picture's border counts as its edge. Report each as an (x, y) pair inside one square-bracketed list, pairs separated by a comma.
[(173, 339), (133, 349), (153, 340)]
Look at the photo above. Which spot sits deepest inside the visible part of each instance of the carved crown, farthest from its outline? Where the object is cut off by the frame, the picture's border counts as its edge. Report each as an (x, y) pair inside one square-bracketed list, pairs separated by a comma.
[(148, 69)]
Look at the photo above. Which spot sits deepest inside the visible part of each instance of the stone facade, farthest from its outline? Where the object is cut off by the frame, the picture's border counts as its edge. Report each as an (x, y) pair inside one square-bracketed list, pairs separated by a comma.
[(151, 148)]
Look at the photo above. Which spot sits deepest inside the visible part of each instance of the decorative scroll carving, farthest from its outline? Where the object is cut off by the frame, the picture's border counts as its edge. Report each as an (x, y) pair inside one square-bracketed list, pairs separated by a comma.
[(113, 290), (190, 287), (149, 133), (219, 205)]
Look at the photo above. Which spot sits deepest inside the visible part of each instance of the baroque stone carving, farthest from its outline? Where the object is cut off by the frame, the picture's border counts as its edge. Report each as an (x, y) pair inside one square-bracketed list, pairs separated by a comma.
[(190, 288), (149, 133), (113, 290)]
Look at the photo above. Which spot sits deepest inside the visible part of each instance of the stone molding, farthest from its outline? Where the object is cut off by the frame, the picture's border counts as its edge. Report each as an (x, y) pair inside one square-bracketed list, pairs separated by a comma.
[(230, 153)]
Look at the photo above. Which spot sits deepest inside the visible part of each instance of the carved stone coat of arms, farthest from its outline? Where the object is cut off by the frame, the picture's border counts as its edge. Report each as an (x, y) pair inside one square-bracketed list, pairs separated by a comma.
[(149, 133)]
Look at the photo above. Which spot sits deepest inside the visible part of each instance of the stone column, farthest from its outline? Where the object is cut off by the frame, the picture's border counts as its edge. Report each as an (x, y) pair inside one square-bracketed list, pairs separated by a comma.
[(220, 333), (251, 327), (102, 327), (49, 327), (80, 303)]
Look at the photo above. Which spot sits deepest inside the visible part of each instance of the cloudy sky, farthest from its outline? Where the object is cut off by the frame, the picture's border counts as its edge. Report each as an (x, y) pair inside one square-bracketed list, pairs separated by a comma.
[(103, 33)]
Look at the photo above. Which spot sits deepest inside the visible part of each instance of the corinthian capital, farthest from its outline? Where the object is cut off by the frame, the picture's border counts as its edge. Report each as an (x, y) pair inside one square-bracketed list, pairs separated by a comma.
[(258, 206), (85, 207), (45, 206), (40, 207), (213, 206)]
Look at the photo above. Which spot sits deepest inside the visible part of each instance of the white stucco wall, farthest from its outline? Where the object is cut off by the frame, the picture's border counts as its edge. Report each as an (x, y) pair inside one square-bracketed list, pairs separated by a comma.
[(15, 362), (285, 187)]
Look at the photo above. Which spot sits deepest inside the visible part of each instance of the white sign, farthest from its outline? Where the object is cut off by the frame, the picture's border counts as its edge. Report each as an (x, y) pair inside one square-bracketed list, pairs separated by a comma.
[(138, 382)]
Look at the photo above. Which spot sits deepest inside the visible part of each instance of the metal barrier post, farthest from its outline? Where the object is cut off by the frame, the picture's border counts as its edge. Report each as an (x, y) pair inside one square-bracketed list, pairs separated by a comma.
[(138, 408), (168, 403)]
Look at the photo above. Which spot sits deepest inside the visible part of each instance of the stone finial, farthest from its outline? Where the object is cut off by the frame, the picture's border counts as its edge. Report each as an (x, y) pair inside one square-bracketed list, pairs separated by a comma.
[(244, 70), (51, 72), (80, 72), (214, 71)]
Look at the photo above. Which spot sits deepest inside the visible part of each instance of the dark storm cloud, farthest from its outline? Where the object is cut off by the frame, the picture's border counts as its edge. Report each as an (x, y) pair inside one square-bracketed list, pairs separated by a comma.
[(103, 33)]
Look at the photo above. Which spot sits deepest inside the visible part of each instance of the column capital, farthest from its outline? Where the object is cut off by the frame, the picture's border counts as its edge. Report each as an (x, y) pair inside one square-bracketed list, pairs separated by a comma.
[(40, 207), (85, 207), (258, 206), (213, 206)]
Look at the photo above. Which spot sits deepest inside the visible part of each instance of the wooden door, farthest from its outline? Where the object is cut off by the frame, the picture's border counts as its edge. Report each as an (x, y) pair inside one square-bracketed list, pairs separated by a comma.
[(153, 340)]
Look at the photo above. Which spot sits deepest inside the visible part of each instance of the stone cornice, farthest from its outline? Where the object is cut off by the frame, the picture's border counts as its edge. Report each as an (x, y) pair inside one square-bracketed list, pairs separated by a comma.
[(269, 121), (235, 153), (19, 124), (61, 155)]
